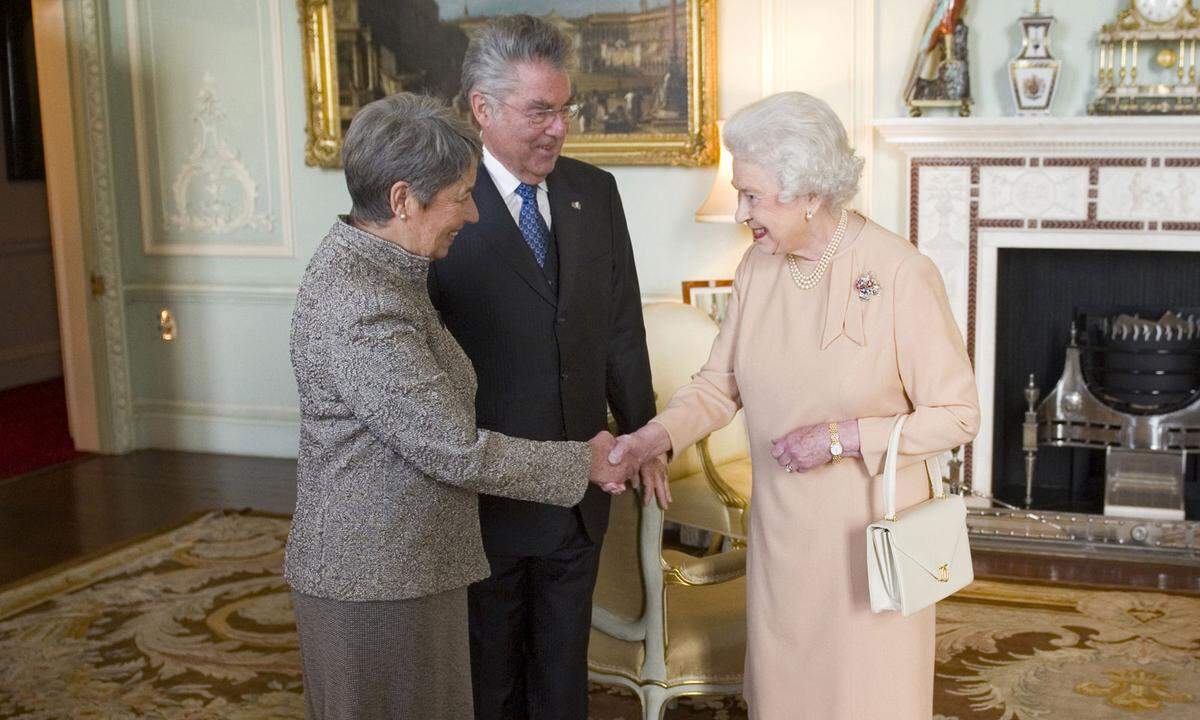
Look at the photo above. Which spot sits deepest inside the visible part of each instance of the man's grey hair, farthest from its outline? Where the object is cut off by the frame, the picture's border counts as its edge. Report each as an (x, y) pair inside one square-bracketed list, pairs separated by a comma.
[(802, 142), (414, 138), (502, 43)]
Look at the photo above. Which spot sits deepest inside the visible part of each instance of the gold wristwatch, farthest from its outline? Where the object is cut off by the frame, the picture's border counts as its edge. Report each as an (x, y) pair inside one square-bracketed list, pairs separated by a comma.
[(835, 443)]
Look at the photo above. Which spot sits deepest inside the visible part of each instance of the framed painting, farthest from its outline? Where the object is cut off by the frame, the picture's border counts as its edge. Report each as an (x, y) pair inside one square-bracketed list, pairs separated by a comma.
[(711, 296), (643, 70)]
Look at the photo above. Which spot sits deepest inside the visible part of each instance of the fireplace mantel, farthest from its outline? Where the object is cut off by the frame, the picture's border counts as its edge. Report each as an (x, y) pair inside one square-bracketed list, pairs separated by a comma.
[(976, 185), (1071, 134)]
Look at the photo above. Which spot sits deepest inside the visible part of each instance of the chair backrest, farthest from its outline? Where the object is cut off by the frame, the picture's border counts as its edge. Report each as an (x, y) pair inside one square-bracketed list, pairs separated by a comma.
[(679, 338)]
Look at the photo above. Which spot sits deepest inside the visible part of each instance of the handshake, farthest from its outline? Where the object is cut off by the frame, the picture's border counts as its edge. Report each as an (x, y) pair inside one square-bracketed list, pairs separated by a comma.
[(637, 458)]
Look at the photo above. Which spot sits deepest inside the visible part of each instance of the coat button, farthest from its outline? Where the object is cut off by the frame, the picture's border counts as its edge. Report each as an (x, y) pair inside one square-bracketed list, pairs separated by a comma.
[(563, 375), (561, 320)]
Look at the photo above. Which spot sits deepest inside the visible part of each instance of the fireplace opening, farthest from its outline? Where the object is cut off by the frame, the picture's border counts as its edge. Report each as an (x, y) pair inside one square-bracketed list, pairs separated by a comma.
[(1138, 358)]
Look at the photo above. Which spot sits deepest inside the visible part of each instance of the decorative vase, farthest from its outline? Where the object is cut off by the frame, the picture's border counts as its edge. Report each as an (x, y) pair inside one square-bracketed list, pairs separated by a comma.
[(1033, 73)]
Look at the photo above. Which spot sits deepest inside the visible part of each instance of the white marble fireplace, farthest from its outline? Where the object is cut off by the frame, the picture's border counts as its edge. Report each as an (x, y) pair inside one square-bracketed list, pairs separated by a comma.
[(976, 186)]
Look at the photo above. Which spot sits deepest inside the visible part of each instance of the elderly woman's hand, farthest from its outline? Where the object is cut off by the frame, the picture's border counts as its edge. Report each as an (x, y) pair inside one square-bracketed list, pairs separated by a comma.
[(653, 477), (807, 447)]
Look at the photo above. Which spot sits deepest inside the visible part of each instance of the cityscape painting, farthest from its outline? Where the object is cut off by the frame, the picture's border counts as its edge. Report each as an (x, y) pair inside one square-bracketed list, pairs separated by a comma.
[(642, 70)]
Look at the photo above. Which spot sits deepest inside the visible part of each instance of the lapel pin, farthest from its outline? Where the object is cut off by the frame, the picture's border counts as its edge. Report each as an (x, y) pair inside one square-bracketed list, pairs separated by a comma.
[(576, 204), (867, 286)]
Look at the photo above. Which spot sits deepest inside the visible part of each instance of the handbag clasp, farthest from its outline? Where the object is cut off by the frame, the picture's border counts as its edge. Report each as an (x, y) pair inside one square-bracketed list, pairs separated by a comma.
[(943, 573)]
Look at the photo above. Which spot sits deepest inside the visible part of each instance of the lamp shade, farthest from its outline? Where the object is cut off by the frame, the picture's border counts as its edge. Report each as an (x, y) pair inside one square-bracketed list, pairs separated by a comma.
[(721, 204)]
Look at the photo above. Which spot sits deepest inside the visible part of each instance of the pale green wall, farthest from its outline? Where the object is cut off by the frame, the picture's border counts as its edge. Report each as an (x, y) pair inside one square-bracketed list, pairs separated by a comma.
[(226, 384)]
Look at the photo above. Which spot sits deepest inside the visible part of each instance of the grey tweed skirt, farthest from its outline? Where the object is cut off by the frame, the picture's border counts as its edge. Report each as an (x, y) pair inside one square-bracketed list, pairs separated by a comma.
[(389, 659)]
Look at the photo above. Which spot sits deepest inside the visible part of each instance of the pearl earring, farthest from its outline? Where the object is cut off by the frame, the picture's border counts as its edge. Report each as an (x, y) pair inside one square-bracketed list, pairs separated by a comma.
[(403, 216), (808, 215)]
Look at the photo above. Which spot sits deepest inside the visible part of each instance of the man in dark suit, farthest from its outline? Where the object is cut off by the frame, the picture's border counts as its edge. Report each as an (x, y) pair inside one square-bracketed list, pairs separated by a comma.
[(542, 294)]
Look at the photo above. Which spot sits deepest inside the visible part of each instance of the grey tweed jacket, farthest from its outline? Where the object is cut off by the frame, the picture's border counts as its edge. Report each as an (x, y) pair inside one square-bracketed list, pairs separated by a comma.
[(390, 459)]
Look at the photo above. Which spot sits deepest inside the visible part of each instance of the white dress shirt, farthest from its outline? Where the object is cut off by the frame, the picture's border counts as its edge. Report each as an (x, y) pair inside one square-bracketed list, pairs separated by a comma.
[(507, 184)]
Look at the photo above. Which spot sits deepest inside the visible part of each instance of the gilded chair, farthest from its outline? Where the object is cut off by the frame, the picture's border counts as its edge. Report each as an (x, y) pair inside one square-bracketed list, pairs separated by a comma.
[(664, 623), (679, 338)]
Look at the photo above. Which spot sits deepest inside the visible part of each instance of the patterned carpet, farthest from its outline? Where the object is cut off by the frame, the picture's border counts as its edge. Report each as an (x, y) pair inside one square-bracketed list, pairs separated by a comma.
[(196, 623)]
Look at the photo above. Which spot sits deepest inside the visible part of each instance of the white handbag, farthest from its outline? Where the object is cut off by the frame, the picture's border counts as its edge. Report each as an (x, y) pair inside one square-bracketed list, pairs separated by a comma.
[(920, 555)]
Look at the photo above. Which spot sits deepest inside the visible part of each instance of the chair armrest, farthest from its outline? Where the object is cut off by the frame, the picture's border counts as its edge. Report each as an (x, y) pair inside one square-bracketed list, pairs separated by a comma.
[(708, 570), (729, 497)]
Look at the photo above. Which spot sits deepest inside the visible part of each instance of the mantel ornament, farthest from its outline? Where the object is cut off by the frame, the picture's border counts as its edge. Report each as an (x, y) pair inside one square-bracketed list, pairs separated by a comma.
[(939, 76), (1034, 72), (1168, 29)]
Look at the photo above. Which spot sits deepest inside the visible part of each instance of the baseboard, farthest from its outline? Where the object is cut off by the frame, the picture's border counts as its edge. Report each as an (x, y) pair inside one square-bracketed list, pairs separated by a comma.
[(216, 428), (25, 364)]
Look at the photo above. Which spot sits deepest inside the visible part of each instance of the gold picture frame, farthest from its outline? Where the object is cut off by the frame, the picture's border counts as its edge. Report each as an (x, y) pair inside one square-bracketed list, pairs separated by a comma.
[(693, 146)]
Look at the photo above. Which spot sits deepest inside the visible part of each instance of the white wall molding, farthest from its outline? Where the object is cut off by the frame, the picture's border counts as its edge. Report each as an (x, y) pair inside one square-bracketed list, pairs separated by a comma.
[(206, 143), (1071, 134), (238, 294), (218, 428), (862, 80), (100, 211)]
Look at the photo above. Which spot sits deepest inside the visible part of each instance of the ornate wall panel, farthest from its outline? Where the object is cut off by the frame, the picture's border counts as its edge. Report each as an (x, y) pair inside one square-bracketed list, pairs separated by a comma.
[(945, 228), (208, 104)]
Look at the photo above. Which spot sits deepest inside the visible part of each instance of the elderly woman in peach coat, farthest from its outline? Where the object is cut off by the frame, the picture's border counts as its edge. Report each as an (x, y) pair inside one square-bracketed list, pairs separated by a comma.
[(836, 328)]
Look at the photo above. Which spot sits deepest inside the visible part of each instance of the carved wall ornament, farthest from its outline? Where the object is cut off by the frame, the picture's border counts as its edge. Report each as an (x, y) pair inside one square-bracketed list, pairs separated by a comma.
[(214, 191)]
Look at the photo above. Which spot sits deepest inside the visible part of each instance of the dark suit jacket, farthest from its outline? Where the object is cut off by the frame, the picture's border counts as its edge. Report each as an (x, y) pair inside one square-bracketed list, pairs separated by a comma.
[(549, 362)]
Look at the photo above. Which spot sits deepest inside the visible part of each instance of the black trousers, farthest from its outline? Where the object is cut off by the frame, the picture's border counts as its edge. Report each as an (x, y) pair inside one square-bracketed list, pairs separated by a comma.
[(530, 623)]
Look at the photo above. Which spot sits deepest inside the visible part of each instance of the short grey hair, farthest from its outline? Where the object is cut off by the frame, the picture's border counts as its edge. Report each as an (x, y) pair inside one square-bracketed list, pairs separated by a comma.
[(800, 139), (414, 138), (502, 43)]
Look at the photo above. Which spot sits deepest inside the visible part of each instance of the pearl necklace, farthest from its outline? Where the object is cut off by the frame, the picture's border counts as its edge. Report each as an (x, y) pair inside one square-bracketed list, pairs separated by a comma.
[(809, 281)]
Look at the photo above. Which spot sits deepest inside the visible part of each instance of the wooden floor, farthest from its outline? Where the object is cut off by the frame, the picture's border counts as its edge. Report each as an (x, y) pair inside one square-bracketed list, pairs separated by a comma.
[(83, 507)]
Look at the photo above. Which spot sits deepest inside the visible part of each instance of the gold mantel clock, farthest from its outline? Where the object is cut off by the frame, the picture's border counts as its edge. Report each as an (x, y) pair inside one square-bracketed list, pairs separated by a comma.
[(1168, 30)]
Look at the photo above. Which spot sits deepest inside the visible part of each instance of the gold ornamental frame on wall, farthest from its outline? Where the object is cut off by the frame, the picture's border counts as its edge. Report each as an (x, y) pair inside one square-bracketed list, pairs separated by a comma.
[(696, 145)]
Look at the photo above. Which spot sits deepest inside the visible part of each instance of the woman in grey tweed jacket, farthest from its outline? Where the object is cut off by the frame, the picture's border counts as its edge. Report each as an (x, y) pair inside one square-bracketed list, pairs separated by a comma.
[(385, 537)]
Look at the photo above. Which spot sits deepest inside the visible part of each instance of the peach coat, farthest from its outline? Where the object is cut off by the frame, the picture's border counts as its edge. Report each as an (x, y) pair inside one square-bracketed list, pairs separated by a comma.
[(793, 358)]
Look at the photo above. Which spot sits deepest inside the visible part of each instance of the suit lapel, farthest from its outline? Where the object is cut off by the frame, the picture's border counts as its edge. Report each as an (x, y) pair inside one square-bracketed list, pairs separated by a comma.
[(497, 228), (566, 212)]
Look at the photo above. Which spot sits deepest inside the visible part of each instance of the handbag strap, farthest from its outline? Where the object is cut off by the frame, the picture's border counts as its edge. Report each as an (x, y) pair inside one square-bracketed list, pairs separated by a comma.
[(933, 467)]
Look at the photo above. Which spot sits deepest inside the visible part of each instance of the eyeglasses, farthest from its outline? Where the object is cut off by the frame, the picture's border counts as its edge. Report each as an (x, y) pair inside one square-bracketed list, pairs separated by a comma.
[(542, 118)]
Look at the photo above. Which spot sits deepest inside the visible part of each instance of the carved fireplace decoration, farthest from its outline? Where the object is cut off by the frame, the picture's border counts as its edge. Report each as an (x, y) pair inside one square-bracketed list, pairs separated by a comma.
[(976, 187), (1131, 387)]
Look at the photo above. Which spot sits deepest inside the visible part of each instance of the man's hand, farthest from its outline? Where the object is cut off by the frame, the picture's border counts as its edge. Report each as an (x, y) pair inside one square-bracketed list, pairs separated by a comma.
[(609, 476)]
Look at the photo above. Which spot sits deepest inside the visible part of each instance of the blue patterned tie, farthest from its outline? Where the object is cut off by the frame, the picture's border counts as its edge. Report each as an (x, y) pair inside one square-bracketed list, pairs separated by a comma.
[(532, 225)]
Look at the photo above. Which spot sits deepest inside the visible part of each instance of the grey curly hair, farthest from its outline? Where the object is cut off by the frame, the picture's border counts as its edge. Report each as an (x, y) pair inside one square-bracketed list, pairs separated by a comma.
[(800, 139)]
